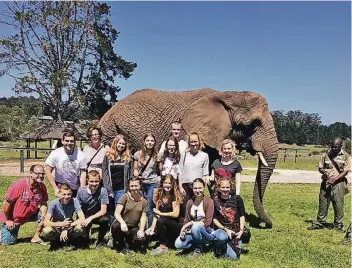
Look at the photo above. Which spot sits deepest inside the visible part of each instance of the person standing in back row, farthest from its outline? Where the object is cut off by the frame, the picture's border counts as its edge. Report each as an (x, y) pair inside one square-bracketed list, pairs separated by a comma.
[(69, 164), (194, 164), (333, 166), (175, 132), (145, 168)]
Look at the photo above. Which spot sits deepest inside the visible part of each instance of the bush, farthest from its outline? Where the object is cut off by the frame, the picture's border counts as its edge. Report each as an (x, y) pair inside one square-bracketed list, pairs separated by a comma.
[(347, 145)]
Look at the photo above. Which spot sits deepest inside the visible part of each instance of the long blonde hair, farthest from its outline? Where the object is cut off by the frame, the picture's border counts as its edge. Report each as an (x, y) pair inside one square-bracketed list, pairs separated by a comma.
[(112, 153)]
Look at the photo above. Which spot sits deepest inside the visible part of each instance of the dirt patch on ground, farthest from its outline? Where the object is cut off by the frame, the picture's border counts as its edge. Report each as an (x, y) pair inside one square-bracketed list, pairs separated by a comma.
[(12, 167)]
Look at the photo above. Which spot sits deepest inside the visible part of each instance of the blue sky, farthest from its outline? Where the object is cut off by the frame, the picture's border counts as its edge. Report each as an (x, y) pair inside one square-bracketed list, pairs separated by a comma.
[(297, 54)]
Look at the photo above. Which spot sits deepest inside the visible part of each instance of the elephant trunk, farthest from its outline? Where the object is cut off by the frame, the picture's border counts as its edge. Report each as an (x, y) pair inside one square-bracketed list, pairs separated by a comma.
[(264, 141)]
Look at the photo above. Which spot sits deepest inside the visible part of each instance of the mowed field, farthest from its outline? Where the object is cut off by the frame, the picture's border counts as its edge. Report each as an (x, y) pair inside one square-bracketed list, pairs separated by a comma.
[(287, 244)]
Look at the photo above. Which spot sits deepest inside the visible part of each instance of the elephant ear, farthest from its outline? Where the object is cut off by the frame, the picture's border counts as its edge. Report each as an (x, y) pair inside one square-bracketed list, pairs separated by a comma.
[(209, 117)]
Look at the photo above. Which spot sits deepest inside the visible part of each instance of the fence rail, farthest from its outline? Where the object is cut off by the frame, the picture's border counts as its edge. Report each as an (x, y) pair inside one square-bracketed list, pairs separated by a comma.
[(22, 149)]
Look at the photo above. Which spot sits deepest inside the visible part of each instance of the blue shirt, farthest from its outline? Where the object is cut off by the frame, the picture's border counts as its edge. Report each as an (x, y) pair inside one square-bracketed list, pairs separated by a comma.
[(91, 203), (60, 212)]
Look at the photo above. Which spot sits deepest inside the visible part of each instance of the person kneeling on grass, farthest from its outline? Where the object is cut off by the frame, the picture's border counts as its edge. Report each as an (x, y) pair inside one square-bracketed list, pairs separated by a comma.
[(229, 220), (25, 200), (94, 201), (59, 227), (167, 199), (131, 210), (198, 219)]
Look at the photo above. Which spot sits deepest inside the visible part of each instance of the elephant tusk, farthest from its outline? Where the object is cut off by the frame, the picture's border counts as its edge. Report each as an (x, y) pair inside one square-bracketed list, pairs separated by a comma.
[(262, 159)]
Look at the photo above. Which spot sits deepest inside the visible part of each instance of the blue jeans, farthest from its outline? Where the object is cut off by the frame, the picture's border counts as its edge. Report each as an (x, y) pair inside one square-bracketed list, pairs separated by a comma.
[(148, 192), (113, 202), (196, 238), (117, 195), (221, 239), (8, 237)]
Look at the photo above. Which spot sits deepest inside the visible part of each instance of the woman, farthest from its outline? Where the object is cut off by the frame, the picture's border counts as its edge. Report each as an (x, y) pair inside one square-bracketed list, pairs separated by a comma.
[(116, 170), (229, 163), (194, 164), (131, 218), (197, 231), (167, 199), (145, 167), (170, 160), (95, 151), (229, 219)]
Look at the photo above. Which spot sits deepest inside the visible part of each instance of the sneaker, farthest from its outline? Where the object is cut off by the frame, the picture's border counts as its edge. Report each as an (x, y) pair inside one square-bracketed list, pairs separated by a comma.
[(100, 244), (218, 251), (110, 243), (126, 251), (196, 253), (339, 228), (54, 245), (315, 227), (159, 251)]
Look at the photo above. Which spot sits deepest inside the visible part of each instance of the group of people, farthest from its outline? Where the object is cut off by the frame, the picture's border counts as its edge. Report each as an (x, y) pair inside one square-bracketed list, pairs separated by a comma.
[(150, 195), (155, 194)]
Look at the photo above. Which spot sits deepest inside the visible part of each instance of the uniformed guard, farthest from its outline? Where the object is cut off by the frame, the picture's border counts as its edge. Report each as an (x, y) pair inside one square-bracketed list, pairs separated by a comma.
[(334, 166)]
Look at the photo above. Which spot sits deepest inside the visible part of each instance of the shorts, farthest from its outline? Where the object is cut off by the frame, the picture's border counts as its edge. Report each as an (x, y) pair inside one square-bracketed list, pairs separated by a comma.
[(8, 237)]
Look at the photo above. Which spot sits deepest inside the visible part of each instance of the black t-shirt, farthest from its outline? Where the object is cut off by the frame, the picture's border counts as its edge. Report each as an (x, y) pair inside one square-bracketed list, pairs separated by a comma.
[(117, 176), (233, 168), (229, 211), (165, 208)]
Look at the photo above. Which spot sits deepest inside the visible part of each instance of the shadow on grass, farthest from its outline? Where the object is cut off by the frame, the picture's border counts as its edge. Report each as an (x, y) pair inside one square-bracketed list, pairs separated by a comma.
[(24, 240), (254, 221), (329, 226)]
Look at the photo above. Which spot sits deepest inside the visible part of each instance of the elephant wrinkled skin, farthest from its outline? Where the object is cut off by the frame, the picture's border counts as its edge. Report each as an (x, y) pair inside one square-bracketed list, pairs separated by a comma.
[(241, 115)]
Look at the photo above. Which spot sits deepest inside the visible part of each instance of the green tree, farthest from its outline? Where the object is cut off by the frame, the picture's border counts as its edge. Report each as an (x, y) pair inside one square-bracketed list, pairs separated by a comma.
[(64, 52), (13, 122)]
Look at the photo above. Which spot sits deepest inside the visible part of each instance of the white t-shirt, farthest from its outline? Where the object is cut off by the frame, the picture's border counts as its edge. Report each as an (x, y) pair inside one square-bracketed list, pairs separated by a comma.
[(194, 166), (97, 161), (67, 167), (170, 168), (182, 146), (199, 210)]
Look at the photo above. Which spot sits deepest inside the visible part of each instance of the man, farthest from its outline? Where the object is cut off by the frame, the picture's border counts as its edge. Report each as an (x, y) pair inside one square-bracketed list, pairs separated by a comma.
[(25, 200), (94, 201), (334, 166), (60, 228), (176, 127), (69, 164)]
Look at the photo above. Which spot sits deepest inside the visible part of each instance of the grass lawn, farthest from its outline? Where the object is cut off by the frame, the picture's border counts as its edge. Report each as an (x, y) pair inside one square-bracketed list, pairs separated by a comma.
[(301, 164), (287, 244)]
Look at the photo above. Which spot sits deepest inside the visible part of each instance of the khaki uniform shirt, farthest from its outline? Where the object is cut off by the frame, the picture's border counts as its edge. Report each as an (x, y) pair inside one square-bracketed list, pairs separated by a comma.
[(342, 159)]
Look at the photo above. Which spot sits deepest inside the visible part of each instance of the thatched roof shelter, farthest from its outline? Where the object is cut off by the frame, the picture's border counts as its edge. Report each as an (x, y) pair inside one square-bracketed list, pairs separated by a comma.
[(52, 129)]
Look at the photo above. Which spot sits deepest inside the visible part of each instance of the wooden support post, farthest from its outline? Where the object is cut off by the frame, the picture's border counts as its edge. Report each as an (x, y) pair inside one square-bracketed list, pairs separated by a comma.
[(285, 155), (28, 145), (50, 143), (296, 156), (80, 144), (35, 146), (22, 161)]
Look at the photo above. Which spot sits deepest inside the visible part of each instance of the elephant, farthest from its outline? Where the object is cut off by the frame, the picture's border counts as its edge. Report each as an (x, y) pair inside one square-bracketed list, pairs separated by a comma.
[(240, 115)]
